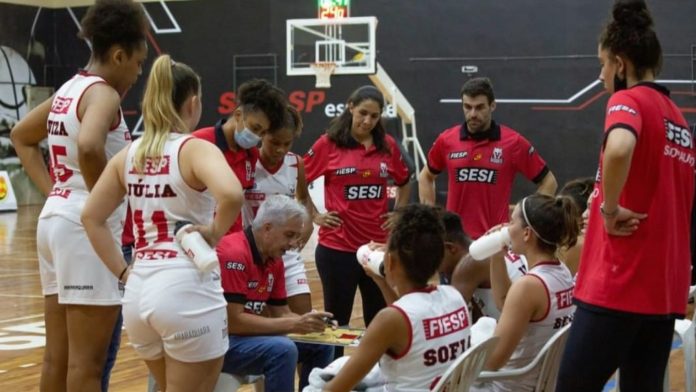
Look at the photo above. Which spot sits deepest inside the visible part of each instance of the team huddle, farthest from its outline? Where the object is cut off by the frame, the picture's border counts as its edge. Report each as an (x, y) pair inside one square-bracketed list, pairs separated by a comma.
[(608, 255)]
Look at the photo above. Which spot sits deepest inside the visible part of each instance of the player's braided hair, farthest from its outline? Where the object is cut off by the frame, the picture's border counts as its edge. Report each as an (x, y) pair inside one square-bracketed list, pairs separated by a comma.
[(630, 33), (114, 22), (259, 95), (418, 239)]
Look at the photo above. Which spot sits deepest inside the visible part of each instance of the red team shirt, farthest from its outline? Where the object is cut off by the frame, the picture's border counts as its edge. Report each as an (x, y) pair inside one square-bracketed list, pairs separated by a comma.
[(481, 173), (355, 185), (242, 162), (246, 278), (647, 272)]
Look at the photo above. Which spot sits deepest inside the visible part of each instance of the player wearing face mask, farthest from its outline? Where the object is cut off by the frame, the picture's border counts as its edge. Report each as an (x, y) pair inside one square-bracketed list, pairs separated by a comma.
[(260, 109)]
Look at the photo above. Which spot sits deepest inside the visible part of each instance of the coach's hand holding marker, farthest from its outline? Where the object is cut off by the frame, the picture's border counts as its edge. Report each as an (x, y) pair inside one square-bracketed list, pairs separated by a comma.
[(311, 322)]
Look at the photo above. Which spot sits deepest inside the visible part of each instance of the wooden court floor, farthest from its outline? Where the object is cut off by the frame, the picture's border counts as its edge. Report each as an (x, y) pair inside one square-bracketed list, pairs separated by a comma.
[(22, 333)]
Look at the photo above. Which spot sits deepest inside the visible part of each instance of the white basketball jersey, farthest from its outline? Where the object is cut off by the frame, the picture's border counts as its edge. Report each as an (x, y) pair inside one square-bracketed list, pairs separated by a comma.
[(483, 296), (69, 191), (159, 198), (282, 181), (440, 332), (559, 285)]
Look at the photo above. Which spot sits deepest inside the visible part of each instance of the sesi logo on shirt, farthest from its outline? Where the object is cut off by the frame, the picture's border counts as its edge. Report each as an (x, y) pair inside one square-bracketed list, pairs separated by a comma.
[(363, 192), (678, 135), (477, 174)]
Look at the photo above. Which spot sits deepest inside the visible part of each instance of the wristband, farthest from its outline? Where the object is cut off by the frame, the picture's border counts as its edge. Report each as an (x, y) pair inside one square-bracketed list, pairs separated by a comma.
[(608, 214)]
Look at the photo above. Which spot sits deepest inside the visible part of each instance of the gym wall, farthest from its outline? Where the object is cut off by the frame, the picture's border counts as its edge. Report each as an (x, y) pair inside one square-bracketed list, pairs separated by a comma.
[(541, 57)]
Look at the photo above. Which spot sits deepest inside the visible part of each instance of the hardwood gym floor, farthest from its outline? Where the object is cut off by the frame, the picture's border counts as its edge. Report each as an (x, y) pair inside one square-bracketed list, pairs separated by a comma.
[(22, 334)]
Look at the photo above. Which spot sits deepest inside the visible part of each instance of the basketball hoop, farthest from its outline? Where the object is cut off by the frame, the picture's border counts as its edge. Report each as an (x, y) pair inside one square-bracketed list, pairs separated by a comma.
[(323, 73)]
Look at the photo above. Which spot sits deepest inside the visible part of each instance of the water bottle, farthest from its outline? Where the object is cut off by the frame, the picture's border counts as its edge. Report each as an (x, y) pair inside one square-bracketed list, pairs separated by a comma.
[(489, 244), (363, 253), (375, 262), (196, 247), (372, 259)]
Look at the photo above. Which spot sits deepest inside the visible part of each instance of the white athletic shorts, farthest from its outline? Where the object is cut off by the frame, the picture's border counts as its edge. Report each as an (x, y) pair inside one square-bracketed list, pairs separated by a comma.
[(69, 266), (295, 274), (169, 306)]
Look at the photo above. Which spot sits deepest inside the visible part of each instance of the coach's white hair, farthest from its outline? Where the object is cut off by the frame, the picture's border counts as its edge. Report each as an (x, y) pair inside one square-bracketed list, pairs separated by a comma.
[(278, 210)]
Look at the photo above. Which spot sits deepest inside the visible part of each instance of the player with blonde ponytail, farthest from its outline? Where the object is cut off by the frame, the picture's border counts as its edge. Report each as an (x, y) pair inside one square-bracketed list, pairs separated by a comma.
[(174, 314)]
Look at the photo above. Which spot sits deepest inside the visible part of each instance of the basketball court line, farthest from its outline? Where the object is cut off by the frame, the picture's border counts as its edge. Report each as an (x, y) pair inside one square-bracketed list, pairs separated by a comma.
[(28, 317), (20, 296), (18, 274)]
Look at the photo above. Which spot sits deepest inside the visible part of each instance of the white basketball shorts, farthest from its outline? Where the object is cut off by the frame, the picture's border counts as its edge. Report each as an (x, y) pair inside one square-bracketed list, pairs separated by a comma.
[(69, 266), (175, 309)]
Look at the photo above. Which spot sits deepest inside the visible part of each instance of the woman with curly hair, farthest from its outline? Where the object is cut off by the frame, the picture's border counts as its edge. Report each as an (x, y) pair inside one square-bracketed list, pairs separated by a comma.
[(634, 271), (412, 356), (84, 124)]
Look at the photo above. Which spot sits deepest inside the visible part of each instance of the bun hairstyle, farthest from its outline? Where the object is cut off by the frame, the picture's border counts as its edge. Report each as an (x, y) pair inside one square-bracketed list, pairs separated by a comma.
[(114, 22), (169, 85), (554, 220), (630, 33), (339, 129), (579, 190), (259, 95), (418, 237)]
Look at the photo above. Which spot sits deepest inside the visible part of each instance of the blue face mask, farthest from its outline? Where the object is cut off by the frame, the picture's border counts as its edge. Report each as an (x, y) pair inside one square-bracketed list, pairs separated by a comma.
[(246, 139)]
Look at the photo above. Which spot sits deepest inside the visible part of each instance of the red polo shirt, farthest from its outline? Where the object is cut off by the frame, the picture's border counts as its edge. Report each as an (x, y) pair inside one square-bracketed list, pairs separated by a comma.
[(242, 162), (246, 278), (481, 170), (648, 272), (355, 185)]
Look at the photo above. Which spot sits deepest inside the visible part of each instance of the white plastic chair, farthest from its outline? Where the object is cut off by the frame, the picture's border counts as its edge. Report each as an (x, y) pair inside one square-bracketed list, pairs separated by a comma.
[(547, 361), (463, 372), (685, 332), (230, 383)]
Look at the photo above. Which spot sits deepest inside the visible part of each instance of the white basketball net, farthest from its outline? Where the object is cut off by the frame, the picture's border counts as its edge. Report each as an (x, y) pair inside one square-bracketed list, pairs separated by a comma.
[(323, 73)]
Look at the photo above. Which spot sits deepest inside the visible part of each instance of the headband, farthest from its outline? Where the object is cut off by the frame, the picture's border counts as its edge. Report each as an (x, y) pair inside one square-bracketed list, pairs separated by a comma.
[(526, 220)]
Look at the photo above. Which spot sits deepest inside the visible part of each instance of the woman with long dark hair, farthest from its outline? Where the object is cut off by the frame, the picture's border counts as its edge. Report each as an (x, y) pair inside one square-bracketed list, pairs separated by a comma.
[(357, 158), (84, 125)]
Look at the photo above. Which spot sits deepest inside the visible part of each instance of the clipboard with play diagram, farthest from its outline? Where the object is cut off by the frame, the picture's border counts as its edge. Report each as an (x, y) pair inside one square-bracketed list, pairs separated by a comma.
[(347, 337)]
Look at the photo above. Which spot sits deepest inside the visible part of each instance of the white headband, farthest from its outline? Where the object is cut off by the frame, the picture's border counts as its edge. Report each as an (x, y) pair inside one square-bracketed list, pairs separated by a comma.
[(526, 220)]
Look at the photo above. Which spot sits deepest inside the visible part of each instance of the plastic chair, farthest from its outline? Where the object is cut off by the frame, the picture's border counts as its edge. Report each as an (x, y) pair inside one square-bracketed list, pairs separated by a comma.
[(685, 333), (231, 383), (547, 362), (463, 372)]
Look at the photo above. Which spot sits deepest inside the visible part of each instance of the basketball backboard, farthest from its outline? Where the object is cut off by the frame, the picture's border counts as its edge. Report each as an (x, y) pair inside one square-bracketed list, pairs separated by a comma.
[(347, 42)]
